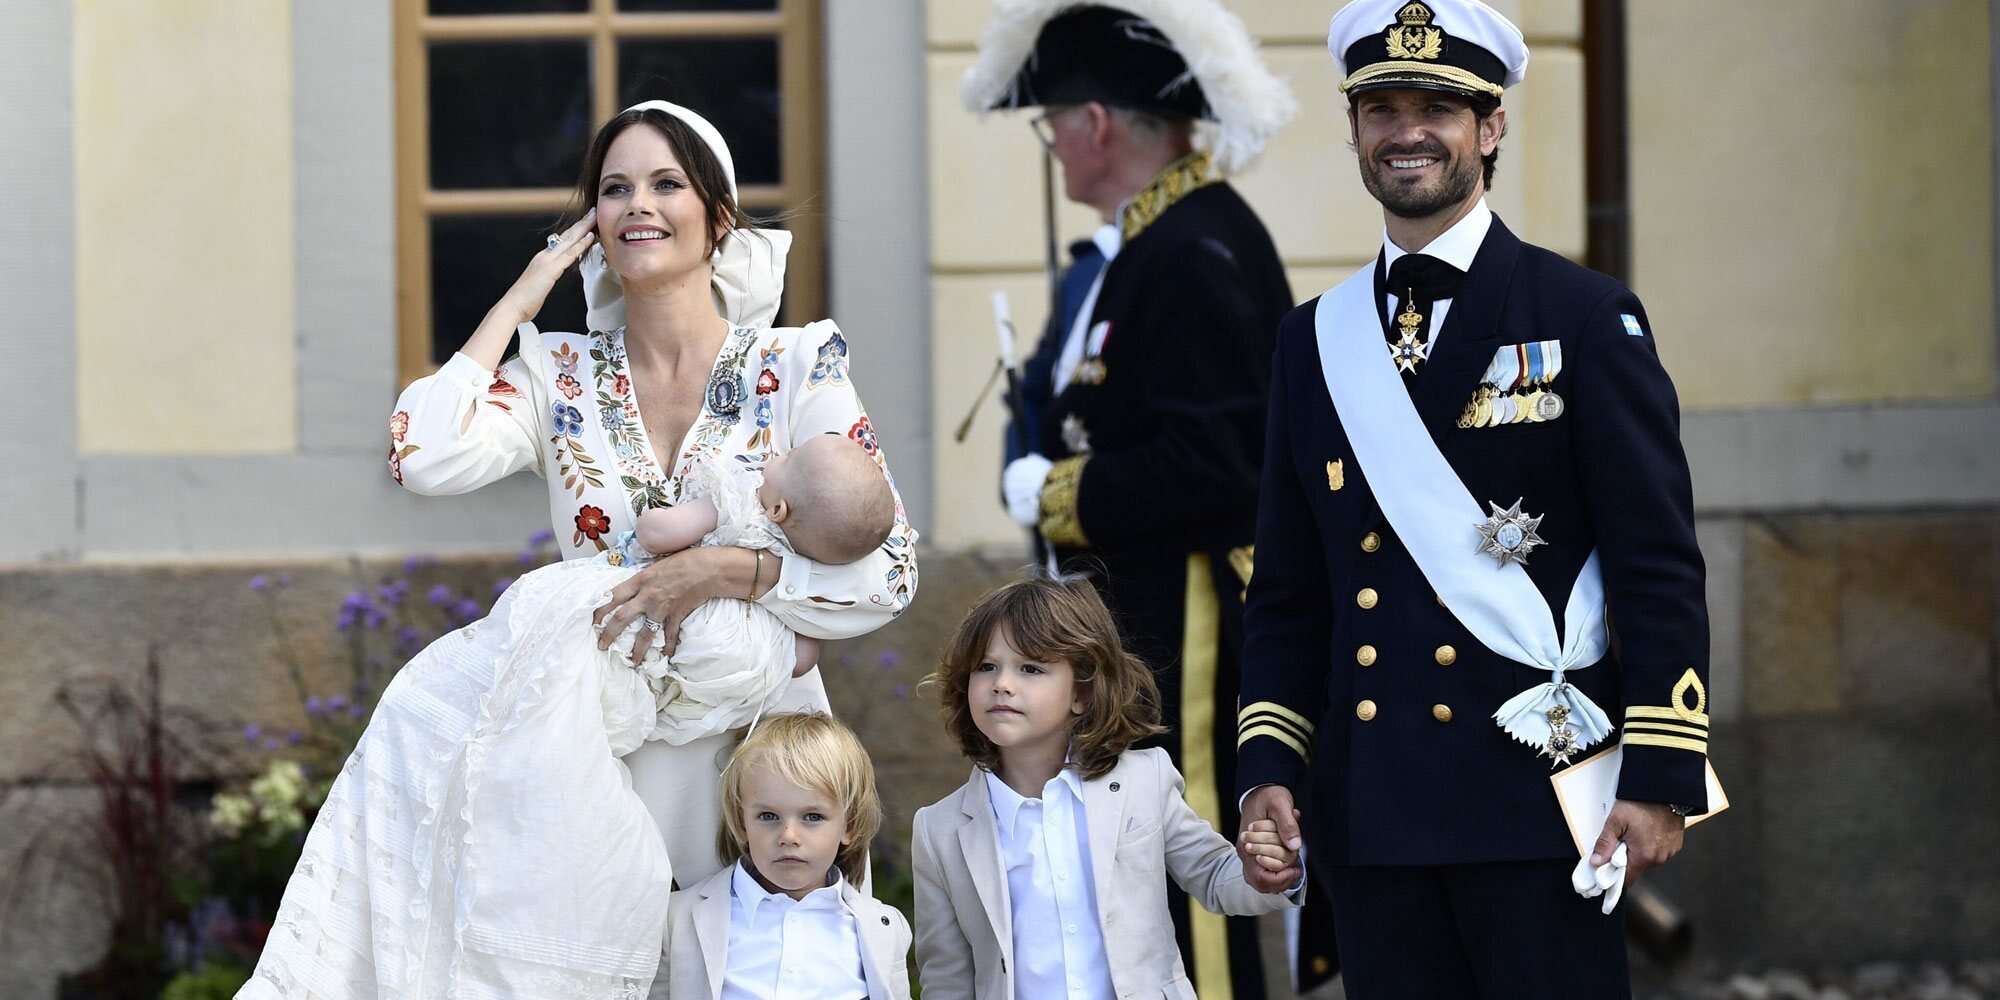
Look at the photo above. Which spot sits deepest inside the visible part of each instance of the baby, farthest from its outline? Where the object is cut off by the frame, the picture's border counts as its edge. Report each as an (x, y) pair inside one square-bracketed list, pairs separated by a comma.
[(825, 500)]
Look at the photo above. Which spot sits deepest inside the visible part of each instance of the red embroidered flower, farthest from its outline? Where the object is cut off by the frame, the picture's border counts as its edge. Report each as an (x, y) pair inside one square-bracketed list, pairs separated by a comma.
[(621, 386), (767, 383), (500, 386), (399, 425), (591, 522), (863, 434), (570, 387)]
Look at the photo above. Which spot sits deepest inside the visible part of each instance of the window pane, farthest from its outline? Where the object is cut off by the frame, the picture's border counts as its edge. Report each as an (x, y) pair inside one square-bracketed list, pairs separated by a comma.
[(474, 260), (508, 114), (696, 5), (509, 6), (732, 82)]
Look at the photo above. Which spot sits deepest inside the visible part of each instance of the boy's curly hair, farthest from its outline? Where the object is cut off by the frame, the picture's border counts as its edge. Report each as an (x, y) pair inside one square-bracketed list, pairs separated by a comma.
[(1051, 620)]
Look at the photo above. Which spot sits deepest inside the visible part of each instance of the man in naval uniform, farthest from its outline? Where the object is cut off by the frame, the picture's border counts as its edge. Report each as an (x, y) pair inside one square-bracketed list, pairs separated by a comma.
[(1473, 463), (1143, 471)]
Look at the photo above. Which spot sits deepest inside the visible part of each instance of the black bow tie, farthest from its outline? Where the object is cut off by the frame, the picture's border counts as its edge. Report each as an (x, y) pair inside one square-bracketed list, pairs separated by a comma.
[(1423, 277)]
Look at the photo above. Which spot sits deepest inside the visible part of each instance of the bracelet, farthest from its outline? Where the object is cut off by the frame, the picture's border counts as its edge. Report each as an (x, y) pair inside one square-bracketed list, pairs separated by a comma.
[(756, 575)]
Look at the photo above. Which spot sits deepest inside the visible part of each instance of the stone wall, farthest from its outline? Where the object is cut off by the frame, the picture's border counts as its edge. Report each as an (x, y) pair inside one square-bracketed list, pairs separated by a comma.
[(1854, 684)]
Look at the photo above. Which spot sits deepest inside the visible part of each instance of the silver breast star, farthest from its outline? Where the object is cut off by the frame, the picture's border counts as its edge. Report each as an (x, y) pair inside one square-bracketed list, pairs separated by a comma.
[(1509, 534), (1075, 435)]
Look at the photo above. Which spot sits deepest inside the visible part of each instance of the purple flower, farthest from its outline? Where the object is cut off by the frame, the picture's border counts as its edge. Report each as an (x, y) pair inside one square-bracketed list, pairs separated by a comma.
[(295, 737), (373, 619), (888, 658), (260, 582), (393, 593), (314, 707), (271, 743), (353, 609), (529, 557), (467, 610), (439, 595), (357, 711), (284, 579), (410, 565), (336, 703), (541, 538), (500, 586), (251, 732), (901, 691), (409, 640)]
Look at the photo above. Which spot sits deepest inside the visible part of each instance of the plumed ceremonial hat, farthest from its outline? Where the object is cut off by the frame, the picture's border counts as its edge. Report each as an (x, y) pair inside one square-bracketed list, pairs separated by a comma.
[(1182, 58), (1461, 46)]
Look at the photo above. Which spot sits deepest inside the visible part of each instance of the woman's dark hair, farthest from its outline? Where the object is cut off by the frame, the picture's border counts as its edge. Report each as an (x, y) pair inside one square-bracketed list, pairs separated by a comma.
[(1052, 620), (704, 171)]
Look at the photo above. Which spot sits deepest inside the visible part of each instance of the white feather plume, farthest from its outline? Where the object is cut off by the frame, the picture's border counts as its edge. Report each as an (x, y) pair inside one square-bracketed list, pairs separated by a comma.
[(1251, 105)]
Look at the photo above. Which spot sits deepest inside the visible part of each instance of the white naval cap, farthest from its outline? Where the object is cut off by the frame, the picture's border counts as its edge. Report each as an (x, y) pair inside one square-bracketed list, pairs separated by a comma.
[(1461, 46)]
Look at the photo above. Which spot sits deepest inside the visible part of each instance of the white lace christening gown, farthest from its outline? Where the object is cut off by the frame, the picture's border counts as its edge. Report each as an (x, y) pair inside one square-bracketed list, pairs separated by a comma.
[(483, 840)]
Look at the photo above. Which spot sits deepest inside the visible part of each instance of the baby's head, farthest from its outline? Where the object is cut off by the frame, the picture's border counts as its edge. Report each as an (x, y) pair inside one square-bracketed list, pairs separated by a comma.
[(830, 497), (798, 799), (1049, 650)]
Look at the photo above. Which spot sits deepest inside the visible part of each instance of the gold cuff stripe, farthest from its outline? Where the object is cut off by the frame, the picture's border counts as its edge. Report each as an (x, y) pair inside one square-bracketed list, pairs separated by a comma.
[(1633, 739), (1275, 709), (1669, 714), (1059, 523), (1410, 71), (1269, 721), (1694, 732), (1275, 733)]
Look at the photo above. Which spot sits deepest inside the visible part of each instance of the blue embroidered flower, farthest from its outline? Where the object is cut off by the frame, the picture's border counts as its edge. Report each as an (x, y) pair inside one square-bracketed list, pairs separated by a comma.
[(569, 421), (613, 415), (764, 411)]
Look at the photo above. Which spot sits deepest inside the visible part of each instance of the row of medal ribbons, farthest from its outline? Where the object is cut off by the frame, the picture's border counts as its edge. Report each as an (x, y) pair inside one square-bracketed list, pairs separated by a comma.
[(1514, 389)]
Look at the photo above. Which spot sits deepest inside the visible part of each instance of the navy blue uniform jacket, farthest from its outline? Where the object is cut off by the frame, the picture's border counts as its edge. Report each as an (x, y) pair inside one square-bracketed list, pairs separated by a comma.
[(1430, 778)]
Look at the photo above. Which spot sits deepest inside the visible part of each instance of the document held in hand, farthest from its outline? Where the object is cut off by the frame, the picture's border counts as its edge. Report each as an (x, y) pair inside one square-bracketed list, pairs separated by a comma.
[(1588, 790)]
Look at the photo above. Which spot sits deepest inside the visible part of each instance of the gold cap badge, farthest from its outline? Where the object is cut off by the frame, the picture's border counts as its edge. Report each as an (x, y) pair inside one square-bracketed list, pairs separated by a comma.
[(1413, 37)]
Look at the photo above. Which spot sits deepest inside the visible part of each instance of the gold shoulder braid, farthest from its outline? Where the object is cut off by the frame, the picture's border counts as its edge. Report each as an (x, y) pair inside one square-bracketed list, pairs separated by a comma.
[(1060, 525), (1186, 175)]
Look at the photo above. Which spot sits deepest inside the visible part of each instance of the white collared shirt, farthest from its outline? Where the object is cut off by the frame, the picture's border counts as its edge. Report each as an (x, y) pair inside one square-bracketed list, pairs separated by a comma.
[(785, 949), (1045, 844), (1109, 239), (1456, 246)]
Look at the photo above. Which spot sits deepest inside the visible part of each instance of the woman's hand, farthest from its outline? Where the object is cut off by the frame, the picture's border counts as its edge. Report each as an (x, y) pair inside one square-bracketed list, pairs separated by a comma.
[(523, 302), (664, 592)]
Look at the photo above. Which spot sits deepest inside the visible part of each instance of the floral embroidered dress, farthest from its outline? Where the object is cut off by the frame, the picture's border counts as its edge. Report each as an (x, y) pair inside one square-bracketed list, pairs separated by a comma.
[(484, 839)]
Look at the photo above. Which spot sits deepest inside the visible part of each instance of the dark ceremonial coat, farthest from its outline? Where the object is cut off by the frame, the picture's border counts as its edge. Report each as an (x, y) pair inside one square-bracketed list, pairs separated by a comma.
[(1407, 787), (1154, 490), (1024, 431)]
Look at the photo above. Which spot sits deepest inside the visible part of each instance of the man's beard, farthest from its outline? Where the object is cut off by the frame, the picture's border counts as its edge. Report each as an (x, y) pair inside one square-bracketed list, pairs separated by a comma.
[(1461, 176)]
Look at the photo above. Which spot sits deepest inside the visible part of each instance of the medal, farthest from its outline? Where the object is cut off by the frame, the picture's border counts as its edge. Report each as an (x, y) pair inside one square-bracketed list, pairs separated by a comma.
[(1562, 744), (1075, 436), (1089, 371), (1509, 535), (1522, 411), (1483, 410), (1409, 350), (1548, 405)]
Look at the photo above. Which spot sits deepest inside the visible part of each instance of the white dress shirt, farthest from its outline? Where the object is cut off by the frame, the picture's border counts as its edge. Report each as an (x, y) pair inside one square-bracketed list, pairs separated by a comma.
[(1455, 246), (1109, 239), (786, 949), (1045, 844)]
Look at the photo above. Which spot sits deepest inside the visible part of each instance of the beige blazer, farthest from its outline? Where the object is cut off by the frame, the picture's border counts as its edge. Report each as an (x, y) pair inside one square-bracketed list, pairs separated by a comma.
[(698, 941), (1141, 830)]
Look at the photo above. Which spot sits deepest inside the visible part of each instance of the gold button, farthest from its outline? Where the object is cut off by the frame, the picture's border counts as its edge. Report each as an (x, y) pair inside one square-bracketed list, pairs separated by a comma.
[(1446, 656), (1366, 598), (1370, 542), (1442, 713), (1365, 711), (1365, 656)]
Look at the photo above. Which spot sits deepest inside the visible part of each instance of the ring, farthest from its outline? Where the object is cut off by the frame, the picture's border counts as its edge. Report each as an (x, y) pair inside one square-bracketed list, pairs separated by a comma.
[(647, 621), (555, 242)]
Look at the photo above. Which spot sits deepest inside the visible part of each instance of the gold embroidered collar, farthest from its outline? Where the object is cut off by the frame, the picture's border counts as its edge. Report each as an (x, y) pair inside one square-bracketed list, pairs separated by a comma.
[(1187, 174)]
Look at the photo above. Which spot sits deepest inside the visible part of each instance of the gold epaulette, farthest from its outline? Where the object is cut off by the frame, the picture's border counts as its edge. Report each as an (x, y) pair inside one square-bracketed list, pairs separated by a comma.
[(1675, 725), (1059, 523), (1268, 718)]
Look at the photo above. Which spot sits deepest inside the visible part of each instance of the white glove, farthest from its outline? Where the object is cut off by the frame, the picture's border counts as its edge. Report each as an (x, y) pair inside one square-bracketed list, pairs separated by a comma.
[(1606, 880), (1022, 483)]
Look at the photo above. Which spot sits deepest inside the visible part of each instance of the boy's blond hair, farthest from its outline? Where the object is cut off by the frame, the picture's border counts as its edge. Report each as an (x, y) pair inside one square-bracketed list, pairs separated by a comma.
[(810, 750)]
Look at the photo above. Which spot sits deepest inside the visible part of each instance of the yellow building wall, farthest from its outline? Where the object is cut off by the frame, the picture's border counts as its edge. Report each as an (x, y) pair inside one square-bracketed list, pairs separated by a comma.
[(184, 244), (1813, 221), (986, 197)]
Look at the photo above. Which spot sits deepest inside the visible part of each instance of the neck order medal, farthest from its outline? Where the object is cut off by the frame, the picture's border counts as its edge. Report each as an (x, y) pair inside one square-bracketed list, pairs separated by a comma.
[(1411, 350), (1509, 535)]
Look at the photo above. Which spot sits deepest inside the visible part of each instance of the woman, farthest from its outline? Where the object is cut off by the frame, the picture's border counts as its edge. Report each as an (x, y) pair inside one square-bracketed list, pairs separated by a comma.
[(681, 366)]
